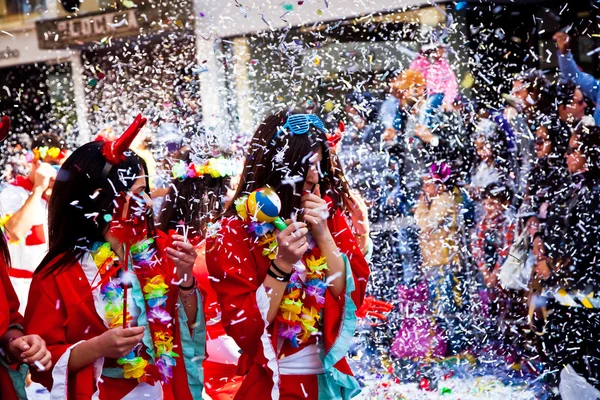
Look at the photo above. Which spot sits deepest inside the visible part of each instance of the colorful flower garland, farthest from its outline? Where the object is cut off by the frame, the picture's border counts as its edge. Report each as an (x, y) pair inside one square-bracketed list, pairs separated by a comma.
[(145, 265), (39, 153), (215, 167), (304, 299)]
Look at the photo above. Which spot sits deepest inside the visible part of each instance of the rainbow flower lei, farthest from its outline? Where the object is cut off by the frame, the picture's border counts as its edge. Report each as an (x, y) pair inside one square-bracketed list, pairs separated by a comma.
[(215, 167), (39, 153), (302, 304), (145, 261)]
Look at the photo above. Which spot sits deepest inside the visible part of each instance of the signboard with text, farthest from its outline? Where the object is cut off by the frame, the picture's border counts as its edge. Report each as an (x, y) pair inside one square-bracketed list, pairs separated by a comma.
[(90, 28)]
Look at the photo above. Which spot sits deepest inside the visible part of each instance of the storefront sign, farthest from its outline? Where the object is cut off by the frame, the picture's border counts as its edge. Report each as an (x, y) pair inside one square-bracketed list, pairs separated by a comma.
[(9, 53), (70, 32)]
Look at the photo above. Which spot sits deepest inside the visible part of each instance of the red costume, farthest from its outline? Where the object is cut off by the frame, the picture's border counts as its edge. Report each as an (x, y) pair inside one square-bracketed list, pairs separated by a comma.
[(221, 381), (9, 318), (64, 310), (238, 269)]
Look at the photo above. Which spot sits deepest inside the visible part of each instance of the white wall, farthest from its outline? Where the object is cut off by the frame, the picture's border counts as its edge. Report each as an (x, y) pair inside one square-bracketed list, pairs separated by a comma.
[(25, 41), (228, 19)]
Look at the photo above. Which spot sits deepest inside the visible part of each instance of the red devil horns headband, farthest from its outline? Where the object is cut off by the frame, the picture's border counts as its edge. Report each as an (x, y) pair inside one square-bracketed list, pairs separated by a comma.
[(4, 128), (114, 150)]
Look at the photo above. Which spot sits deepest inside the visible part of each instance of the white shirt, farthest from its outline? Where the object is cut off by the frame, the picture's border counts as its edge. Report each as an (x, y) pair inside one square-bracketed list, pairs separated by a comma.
[(29, 252)]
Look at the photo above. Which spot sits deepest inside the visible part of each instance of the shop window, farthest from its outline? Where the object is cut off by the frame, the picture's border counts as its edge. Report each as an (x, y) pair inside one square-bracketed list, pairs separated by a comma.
[(16, 9)]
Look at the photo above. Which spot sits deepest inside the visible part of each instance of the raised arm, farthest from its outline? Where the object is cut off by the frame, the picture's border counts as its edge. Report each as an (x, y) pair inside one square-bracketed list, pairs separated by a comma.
[(571, 71)]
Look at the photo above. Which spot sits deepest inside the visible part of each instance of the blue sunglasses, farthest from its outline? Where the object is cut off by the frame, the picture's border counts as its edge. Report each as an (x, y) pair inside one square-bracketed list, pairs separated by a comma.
[(299, 124)]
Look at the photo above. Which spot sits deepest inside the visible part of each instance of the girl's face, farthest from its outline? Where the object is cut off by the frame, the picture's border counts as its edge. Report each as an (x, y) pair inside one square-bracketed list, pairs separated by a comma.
[(493, 207), (132, 213), (483, 149), (314, 172), (430, 187), (576, 161), (520, 91), (542, 145)]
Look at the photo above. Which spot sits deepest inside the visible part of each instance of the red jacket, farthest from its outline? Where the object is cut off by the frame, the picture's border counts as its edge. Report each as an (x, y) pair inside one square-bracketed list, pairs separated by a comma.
[(61, 310), (9, 316), (238, 268)]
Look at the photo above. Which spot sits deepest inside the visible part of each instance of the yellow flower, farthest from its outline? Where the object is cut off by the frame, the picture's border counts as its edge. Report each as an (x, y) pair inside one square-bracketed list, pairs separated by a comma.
[(290, 309), (311, 315), (3, 220), (115, 318), (271, 251), (163, 343), (54, 152), (156, 287), (316, 264), (307, 330), (294, 294), (102, 254), (135, 369), (240, 207)]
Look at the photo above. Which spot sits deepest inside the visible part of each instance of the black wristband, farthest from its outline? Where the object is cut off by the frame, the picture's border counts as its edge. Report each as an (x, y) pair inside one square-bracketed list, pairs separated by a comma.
[(279, 271), (277, 277), (193, 285)]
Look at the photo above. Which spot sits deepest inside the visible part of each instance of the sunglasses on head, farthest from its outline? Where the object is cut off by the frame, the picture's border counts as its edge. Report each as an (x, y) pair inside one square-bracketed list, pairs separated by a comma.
[(299, 124)]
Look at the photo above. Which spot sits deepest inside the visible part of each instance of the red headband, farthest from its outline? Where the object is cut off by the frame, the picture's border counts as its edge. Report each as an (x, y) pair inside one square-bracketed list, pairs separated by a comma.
[(114, 150), (4, 128)]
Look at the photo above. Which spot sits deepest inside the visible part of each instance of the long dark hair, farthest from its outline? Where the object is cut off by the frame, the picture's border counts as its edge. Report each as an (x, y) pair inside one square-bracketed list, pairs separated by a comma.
[(276, 162), (192, 202), (4, 253), (81, 198), (589, 137)]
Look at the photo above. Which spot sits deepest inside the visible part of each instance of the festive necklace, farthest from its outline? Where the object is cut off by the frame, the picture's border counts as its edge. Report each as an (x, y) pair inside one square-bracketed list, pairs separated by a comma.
[(304, 299), (152, 364)]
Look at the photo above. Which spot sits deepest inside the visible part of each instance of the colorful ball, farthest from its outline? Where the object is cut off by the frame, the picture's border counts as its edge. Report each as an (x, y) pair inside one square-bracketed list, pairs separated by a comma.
[(264, 205)]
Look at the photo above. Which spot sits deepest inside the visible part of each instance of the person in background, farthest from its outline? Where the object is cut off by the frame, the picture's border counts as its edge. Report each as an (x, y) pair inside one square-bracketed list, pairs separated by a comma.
[(549, 174), (24, 204), (406, 89), (567, 264), (358, 146), (434, 65), (17, 349), (493, 237), (492, 157), (437, 216), (519, 120), (197, 197), (589, 86), (571, 105)]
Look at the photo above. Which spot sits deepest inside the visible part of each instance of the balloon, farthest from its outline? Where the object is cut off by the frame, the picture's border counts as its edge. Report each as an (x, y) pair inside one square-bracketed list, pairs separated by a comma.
[(265, 205)]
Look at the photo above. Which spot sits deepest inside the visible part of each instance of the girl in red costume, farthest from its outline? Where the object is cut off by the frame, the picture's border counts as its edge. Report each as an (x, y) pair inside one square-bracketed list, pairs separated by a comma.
[(289, 298), (196, 198), (114, 299), (16, 348)]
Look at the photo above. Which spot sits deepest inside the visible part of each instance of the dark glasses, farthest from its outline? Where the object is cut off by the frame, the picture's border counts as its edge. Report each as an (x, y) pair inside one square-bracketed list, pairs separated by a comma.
[(299, 124)]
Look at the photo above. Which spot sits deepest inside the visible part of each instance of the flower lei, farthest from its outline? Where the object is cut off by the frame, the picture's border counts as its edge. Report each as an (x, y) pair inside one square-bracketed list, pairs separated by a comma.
[(304, 299), (215, 167), (39, 153), (145, 262)]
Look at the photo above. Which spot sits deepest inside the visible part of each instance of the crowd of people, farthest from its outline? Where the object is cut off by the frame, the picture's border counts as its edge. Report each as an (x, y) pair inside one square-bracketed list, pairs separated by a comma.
[(495, 208), (116, 284)]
